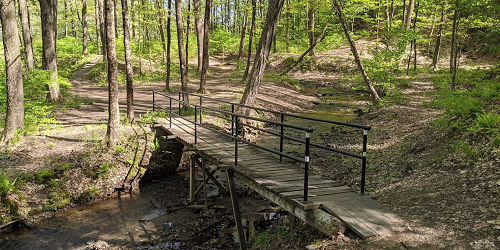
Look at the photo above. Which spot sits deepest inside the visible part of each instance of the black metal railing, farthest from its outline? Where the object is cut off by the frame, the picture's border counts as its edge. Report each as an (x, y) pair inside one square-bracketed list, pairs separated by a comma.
[(235, 120)]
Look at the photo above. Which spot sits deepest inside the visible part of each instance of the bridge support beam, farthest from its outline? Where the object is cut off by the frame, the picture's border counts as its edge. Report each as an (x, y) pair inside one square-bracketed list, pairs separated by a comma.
[(323, 221), (236, 209)]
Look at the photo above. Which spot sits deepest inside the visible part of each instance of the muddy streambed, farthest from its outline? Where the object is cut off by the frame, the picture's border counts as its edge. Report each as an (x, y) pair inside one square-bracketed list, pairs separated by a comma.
[(126, 219)]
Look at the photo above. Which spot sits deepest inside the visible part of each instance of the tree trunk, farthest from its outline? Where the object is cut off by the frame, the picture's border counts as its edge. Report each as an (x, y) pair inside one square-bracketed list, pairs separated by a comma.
[(206, 37), (103, 33), (28, 45), (310, 27), (161, 10), (112, 135), (48, 9), (128, 61), (243, 32), (132, 10), (84, 27), (116, 18), (187, 33), (14, 119), (409, 13), (182, 54), (65, 18), (454, 36), (438, 39), (148, 38), (287, 27), (318, 40), (373, 92), (169, 42), (97, 27), (250, 39), (262, 54), (198, 24)]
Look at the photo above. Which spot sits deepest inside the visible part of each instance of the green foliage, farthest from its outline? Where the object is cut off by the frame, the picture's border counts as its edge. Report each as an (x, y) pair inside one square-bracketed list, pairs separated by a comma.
[(98, 73), (104, 170), (332, 41), (152, 117), (45, 175), (285, 79), (488, 123), (89, 194), (223, 40), (6, 184), (69, 56)]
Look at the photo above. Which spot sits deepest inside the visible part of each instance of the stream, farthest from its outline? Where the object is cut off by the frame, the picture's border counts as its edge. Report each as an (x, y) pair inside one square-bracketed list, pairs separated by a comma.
[(124, 219), (138, 220)]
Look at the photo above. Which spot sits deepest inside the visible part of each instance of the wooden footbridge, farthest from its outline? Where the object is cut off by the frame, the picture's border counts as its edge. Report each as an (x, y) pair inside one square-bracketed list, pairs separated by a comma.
[(213, 130)]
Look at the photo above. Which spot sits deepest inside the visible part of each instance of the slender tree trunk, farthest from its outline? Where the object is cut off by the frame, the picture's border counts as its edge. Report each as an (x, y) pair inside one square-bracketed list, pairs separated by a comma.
[(65, 18), (169, 42), (132, 10), (198, 24), (415, 40), (262, 54), (373, 92), (287, 27), (73, 25), (454, 35), (310, 27), (409, 13), (428, 49), (116, 18), (14, 119), (97, 27), (48, 9), (28, 45), (112, 135), (161, 10), (438, 39), (206, 37), (187, 34), (250, 39), (84, 27), (318, 40), (182, 54), (148, 39), (243, 32), (103, 33), (128, 61)]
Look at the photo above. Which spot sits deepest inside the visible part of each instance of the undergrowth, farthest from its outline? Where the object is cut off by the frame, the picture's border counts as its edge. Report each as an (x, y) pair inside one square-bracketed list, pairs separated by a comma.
[(471, 110)]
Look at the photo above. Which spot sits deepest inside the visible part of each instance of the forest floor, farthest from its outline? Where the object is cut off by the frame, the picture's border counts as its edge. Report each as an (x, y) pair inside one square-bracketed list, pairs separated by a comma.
[(446, 203)]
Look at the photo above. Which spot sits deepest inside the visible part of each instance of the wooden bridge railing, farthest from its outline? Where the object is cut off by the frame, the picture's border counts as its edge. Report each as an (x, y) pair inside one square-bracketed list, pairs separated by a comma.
[(235, 119)]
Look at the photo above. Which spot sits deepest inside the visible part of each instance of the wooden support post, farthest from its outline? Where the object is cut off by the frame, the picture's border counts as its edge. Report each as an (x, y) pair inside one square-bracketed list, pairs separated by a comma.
[(236, 209), (204, 183), (192, 181)]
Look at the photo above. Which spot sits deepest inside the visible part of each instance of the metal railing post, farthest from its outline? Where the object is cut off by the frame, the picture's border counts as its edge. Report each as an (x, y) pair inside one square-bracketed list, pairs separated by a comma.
[(179, 103), (306, 166), (195, 126), (281, 137), (153, 101), (201, 109), (363, 164), (236, 143), (170, 113), (232, 119)]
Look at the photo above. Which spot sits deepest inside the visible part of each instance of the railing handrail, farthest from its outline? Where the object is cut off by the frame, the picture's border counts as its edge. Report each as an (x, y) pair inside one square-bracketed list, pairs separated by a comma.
[(235, 122), (354, 125)]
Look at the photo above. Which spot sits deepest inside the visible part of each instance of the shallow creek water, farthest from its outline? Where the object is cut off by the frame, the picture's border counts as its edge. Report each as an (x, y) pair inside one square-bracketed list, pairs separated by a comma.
[(124, 219), (334, 105)]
